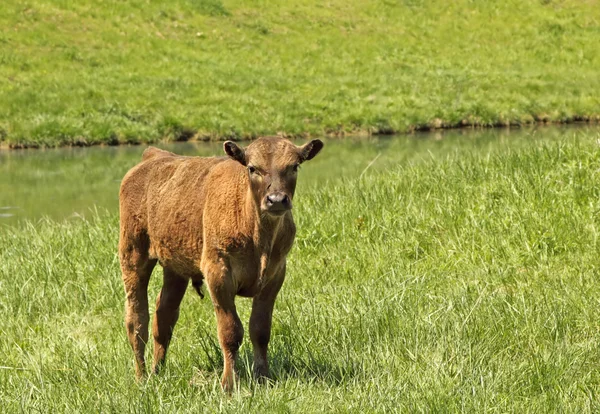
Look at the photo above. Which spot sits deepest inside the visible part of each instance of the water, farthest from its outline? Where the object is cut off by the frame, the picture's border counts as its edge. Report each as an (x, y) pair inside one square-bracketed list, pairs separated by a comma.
[(67, 182)]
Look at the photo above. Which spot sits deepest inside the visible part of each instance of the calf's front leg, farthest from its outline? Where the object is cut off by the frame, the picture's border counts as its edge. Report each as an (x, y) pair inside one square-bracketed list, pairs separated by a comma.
[(260, 324), (229, 327)]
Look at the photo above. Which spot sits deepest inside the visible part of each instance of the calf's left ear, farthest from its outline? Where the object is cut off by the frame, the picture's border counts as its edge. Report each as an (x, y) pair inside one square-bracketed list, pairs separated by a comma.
[(234, 152), (310, 150)]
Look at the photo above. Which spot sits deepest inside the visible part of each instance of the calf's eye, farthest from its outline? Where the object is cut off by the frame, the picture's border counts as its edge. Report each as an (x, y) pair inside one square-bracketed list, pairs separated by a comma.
[(251, 169)]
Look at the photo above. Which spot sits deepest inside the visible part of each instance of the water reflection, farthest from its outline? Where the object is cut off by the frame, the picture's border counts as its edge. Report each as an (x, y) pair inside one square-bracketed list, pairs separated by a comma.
[(61, 182)]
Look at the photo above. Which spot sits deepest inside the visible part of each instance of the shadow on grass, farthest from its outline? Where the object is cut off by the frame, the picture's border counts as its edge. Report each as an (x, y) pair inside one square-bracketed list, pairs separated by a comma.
[(284, 364)]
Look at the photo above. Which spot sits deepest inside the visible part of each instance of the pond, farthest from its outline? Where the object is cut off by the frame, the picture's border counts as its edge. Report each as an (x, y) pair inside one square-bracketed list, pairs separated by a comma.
[(67, 182)]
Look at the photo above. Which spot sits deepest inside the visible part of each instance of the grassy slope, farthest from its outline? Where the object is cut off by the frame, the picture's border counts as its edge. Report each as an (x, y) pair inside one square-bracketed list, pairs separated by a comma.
[(107, 71), (465, 283)]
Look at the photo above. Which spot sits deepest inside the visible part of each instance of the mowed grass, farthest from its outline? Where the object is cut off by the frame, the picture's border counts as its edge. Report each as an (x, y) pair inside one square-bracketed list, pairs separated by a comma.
[(468, 282), (103, 71)]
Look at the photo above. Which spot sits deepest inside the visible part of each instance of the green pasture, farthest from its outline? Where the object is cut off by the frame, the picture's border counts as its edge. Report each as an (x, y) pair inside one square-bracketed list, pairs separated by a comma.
[(106, 71), (462, 282)]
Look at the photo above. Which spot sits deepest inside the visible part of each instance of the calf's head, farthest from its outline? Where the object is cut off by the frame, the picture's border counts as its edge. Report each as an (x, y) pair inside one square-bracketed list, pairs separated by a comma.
[(272, 165)]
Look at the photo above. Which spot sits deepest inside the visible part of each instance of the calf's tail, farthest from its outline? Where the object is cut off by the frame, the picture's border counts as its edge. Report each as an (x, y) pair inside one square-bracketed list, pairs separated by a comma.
[(197, 284)]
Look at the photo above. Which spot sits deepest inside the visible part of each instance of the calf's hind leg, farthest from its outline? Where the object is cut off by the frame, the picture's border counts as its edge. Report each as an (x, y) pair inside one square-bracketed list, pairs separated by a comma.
[(136, 268), (167, 313)]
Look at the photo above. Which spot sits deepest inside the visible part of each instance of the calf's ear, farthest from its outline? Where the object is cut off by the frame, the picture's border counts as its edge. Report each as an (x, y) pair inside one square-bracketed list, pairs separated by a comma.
[(234, 152), (309, 150)]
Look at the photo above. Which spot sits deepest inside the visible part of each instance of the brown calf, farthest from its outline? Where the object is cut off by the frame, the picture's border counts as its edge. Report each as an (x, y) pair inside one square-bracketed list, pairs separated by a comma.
[(225, 220)]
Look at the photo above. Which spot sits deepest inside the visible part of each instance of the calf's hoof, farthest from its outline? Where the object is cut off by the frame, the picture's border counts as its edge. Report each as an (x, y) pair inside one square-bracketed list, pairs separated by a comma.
[(140, 373), (228, 383), (261, 375)]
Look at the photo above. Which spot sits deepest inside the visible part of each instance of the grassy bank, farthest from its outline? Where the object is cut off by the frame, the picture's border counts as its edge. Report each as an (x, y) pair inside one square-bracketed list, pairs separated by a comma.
[(111, 72), (461, 283)]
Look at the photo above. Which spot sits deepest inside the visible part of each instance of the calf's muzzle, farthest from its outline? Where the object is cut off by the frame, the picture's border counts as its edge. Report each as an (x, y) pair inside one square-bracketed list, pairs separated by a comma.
[(278, 203)]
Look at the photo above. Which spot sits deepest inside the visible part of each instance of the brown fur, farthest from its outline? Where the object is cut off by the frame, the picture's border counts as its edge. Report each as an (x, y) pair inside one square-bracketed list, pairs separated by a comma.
[(225, 220)]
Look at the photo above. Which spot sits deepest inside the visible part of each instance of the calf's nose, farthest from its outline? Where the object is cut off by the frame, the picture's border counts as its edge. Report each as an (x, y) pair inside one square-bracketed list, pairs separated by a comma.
[(279, 200)]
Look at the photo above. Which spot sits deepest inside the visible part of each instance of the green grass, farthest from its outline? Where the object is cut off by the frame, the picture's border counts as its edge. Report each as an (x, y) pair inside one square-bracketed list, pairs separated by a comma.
[(465, 282), (90, 72)]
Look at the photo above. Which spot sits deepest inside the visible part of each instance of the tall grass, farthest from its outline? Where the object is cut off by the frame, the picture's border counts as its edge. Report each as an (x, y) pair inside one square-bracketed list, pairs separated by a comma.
[(90, 72), (458, 283)]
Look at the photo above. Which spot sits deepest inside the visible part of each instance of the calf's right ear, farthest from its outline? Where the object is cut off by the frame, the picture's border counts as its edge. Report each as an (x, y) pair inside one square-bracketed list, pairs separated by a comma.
[(310, 150), (234, 152)]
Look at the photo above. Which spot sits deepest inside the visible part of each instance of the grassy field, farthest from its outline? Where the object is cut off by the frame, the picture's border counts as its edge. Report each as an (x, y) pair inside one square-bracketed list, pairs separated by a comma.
[(108, 71), (468, 282)]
